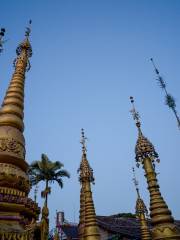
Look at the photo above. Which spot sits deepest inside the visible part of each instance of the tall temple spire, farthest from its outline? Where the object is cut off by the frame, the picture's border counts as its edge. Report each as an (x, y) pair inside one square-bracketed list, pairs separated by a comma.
[(169, 99), (141, 212), (15, 206), (12, 141), (11, 113), (163, 226), (88, 228)]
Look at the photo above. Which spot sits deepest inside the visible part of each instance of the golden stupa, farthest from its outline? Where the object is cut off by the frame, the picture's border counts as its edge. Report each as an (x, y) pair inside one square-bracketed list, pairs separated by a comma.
[(88, 228), (162, 221), (17, 212)]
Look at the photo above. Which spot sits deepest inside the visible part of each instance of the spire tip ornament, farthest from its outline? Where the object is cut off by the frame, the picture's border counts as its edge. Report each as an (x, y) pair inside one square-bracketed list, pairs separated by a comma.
[(24, 47), (28, 29), (2, 32), (140, 206), (135, 182), (83, 141), (135, 114), (169, 99), (85, 171), (141, 212), (144, 148)]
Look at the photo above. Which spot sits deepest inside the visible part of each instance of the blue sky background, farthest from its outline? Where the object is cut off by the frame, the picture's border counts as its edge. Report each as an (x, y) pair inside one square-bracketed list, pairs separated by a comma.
[(88, 58)]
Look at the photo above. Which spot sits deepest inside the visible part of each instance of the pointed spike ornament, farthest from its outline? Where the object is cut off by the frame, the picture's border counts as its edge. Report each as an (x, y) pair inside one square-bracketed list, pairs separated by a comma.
[(88, 228), (163, 226), (2, 33), (169, 99), (141, 212)]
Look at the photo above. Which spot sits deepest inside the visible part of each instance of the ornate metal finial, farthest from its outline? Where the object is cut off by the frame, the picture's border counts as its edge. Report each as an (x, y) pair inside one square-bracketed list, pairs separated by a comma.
[(83, 142), (156, 70), (135, 114), (25, 48), (135, 182), (140, 206), (2, 32), (169, 99), (28, 29), (86, 172), (144, 148)]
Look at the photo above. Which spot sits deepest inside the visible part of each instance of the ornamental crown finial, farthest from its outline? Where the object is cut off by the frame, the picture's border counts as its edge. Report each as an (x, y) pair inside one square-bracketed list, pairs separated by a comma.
[(83, 141), (144, 148), (86, 172), (25, 44), (140, 206)]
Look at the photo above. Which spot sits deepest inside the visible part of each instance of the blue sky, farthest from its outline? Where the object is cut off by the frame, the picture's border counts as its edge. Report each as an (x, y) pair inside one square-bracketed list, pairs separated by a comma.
[(88, 58)]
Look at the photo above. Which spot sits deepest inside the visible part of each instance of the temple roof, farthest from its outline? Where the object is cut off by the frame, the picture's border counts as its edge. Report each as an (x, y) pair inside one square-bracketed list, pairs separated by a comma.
[(70, 231), (127, 227), (124, 226)]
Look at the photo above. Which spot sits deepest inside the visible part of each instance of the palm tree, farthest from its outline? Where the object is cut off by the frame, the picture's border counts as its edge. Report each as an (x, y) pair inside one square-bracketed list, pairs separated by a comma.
[(47, 171)]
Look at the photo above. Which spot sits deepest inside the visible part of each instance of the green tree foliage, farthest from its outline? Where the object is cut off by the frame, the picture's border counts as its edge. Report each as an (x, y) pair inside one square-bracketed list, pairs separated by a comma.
[(48, 172), (124, 215)]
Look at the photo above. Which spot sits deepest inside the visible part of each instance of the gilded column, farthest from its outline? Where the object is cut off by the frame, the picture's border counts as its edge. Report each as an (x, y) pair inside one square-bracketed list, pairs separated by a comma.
[(163, 226), (141, 212), (16, 209), (87, 211)]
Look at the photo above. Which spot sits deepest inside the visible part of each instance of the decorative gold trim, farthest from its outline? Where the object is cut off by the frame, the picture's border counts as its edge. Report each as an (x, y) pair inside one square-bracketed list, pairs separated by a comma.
[(10, 145)]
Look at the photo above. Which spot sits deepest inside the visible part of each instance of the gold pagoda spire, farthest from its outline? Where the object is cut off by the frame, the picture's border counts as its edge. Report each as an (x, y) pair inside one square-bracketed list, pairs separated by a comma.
[(11, 113), (16, 209), (12, 141), (88, 224), (163, 226), (141, 212)]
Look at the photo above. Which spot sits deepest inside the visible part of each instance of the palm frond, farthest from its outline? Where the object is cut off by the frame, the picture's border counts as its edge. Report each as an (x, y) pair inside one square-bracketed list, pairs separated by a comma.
[(57, 165), (44, 157), (62, 173), (35, 179), (60, 182), (46, 170), (34, 164)]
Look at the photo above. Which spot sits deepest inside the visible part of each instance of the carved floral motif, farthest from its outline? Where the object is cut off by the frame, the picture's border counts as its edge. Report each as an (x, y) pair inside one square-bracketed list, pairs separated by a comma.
[(12, 146), (13, 177)]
